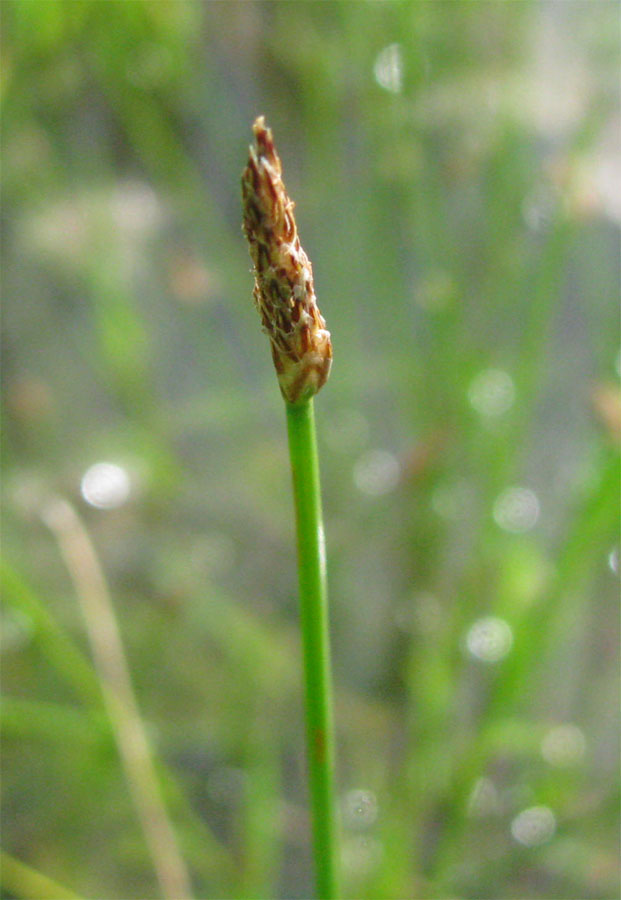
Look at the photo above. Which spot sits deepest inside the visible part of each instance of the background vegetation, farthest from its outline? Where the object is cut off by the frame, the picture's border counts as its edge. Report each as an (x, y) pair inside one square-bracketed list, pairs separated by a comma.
[(456, 172)]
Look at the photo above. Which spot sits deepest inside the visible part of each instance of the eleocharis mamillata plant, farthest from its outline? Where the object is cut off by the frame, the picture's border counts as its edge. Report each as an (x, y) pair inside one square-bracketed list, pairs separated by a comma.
[(302, 354)]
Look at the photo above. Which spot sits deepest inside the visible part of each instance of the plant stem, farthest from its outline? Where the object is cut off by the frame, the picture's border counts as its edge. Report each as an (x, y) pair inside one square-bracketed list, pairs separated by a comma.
[(314, 623)]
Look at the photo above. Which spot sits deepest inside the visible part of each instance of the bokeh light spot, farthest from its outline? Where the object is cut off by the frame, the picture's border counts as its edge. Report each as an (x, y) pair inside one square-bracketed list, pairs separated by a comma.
[(563, 745), (491, 392), (534, 826), (489, 639), (516, 510), (105, 485), (377, 472), (613, 560), (388, 68), (359, 809)]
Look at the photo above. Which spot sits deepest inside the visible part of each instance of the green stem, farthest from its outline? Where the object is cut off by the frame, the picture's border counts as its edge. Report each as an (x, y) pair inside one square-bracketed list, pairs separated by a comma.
[(314, 622)]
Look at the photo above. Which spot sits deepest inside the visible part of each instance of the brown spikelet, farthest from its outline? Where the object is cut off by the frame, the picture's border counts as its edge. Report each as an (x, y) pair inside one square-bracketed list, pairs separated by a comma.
[(283, 288)]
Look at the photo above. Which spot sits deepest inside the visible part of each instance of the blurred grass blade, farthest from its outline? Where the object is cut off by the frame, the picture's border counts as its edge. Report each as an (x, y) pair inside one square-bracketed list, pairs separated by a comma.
[(55, 642), (110, 661), (26, 883), (51, 721)]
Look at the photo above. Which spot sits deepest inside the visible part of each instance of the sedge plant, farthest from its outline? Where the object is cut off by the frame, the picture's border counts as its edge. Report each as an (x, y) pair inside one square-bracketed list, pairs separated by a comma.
[(302, 352)]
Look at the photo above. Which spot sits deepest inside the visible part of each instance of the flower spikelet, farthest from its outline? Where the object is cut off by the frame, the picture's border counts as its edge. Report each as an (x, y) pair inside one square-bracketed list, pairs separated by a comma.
[(283, 288)]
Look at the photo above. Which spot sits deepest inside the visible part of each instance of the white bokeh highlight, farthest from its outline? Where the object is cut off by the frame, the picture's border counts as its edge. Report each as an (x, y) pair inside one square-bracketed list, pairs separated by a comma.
[(491, 393), (105, 485), (377, 472), (388, 68), (534, 826), (359, 809), (516, 510), (489, 639)]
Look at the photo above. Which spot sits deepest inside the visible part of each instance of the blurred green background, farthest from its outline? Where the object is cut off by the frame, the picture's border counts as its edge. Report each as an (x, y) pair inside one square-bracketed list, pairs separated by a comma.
[(456, 170)]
